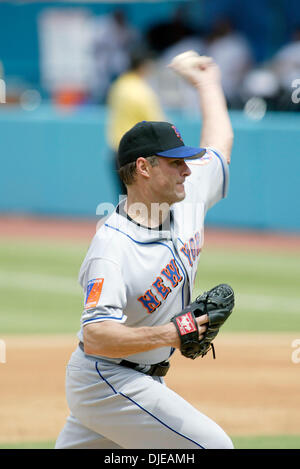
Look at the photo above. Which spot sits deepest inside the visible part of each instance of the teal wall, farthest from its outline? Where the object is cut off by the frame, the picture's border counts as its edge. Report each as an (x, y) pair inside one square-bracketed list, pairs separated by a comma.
[(54, 163), (57, 163)]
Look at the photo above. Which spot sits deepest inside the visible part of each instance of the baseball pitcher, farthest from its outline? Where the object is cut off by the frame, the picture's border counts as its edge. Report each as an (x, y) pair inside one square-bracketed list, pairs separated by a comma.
[(137, 280)]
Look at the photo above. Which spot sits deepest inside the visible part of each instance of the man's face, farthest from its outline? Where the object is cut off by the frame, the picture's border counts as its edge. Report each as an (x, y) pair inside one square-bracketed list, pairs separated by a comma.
[(167, 180)]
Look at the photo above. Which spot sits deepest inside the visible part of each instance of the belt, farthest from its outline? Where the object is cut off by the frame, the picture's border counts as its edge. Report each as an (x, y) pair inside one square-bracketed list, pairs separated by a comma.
[(158, 369)]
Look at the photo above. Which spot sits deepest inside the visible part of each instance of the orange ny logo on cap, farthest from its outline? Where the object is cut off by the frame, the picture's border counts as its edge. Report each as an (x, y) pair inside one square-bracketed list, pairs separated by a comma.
[(177, 132)]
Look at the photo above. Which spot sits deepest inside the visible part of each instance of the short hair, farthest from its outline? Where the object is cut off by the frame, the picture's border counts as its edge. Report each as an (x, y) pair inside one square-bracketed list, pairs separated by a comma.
[(140, 55), (128, 172)]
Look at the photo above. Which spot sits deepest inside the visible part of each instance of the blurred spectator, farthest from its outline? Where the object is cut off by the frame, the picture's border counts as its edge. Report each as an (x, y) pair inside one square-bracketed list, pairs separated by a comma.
[(286, 62), (286, 66), (112, 40), (171, 38), (131, 99), (65, 59), (261, 83), (163, 35), (174, 92), (188, 43), (232, 52)]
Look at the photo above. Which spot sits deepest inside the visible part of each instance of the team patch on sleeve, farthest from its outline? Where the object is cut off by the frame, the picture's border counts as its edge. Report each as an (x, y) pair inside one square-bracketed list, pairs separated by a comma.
[(93, 293)]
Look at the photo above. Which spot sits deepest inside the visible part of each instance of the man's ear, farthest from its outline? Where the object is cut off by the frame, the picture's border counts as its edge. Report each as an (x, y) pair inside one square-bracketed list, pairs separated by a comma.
[(143, 167)]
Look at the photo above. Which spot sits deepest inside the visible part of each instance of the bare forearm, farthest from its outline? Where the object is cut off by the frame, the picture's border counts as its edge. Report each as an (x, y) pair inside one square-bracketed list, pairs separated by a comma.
[(216, 126), (116, 340)]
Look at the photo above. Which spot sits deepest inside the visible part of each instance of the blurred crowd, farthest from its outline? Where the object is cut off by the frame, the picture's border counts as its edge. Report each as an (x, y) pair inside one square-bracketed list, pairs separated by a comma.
[(111, 44), (243, 78)]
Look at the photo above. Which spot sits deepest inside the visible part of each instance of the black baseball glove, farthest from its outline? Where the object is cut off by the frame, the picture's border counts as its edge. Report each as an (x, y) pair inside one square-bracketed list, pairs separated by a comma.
[(218, 304)]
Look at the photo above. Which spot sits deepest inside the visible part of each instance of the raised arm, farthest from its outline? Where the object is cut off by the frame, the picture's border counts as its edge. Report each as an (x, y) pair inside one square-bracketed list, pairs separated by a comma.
[(204, 75)]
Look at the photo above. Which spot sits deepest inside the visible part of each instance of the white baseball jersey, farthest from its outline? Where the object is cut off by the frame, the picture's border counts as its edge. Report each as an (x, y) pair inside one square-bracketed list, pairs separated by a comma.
[(139, 276)]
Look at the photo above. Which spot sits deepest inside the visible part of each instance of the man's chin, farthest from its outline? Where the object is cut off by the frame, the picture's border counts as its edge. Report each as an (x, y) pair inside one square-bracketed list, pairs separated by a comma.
[(180, 195), (177, 196)]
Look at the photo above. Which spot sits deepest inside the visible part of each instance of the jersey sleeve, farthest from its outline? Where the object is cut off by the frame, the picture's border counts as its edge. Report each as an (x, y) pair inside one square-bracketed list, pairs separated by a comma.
[(104, 292), (209, 178)]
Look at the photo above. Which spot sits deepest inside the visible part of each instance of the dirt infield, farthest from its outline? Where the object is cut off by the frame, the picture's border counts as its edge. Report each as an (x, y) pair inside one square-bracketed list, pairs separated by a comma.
[(251, 388), (73, 229)]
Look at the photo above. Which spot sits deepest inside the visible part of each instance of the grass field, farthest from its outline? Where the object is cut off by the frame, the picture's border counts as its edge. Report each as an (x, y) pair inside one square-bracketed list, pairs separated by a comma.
[(240, 442), (40, 294), (266, 286)]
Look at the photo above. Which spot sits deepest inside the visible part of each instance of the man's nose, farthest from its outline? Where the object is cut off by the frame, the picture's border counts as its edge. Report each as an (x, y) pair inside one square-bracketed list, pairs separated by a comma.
[(186, 170)]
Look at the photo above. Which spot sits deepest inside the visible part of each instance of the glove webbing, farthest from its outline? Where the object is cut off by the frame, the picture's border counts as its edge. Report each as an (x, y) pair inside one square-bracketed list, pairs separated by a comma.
[(212, 347), (213, 350)]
